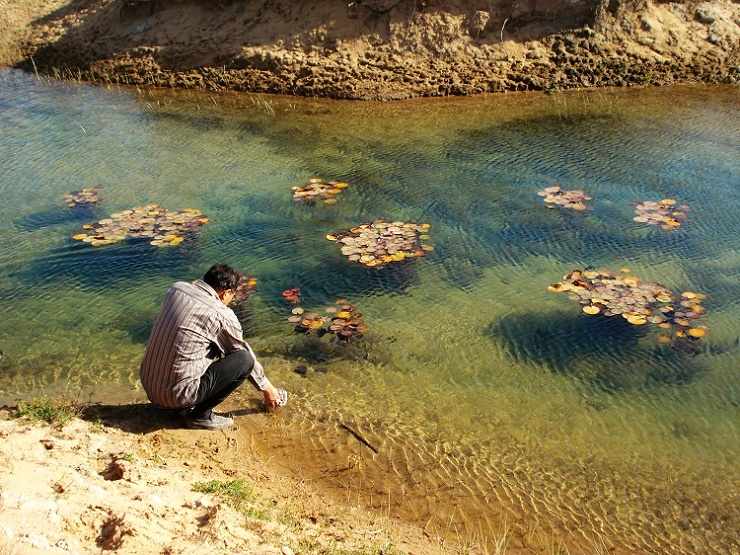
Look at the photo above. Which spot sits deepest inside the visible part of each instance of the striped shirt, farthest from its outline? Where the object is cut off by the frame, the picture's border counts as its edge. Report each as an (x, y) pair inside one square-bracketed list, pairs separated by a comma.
[(192, 327)]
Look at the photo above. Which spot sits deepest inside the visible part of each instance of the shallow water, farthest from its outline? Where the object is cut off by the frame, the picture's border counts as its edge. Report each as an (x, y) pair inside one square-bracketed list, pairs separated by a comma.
[(493, 406)]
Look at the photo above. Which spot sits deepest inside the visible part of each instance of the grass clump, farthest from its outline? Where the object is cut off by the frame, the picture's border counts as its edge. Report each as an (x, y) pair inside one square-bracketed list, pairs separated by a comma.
[(237, 493), (386, 549), (53, 410)]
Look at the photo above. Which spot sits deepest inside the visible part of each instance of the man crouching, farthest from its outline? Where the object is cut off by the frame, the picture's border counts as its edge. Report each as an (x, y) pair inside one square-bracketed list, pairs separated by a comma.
[(196, 355)]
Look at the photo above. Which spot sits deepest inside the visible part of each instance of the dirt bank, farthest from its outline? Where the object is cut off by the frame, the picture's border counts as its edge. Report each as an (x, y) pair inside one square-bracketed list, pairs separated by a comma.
[(127, 479), (375, 49)]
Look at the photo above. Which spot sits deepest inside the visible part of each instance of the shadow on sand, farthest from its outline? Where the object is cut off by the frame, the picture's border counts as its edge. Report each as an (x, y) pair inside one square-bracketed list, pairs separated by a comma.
[(143, 418)]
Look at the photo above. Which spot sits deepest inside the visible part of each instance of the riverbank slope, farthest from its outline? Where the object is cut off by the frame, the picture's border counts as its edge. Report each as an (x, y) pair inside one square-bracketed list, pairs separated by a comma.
[(129, 479), (375, 49)]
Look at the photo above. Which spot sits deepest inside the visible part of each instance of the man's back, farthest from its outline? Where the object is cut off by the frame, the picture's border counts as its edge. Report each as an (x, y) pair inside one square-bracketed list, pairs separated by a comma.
[(186, 335)]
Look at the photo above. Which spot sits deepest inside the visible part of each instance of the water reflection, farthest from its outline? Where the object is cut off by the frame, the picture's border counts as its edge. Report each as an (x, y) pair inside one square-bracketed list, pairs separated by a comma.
[(38, 220), (487, 398), (606, 352)]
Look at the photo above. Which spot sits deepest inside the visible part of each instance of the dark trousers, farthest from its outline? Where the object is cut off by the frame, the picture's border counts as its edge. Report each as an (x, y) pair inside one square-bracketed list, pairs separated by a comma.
[(220, 380)]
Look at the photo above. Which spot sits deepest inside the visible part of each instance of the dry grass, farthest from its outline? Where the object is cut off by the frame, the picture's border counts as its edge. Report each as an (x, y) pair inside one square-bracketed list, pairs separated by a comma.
[(8, 547)]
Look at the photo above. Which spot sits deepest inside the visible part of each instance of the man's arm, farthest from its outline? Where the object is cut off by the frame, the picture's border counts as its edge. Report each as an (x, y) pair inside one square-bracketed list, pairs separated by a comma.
[(233, 337)]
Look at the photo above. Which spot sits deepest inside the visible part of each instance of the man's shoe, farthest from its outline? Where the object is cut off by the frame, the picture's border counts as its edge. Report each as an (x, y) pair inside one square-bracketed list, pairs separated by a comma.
[(211, 422), (182, 413)]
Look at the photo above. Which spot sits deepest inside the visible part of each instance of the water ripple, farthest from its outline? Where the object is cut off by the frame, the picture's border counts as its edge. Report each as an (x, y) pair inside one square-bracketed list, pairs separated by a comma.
[(485, 397)]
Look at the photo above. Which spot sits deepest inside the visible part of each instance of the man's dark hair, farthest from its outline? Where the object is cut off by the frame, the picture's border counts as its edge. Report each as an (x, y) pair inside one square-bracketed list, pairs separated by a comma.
[(222, 277)]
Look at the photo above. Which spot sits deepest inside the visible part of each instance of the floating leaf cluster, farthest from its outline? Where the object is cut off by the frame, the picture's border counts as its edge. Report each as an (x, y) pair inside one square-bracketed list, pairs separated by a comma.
[(343, 320), (292, 295), (555, 196), (347, 322), (664, 213), (245, 288), (152, 222), (638, 302), (317, 189), (381, 242), (306, 321), (88, 195)]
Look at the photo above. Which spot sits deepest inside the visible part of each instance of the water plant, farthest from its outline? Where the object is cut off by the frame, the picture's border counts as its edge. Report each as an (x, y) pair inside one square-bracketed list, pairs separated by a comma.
[(151, 222), (86, 196), (664, 213), (556, 197), (378, 243), (245, 288), (318, 189), (292, 295), (342, 319), (639, 302)]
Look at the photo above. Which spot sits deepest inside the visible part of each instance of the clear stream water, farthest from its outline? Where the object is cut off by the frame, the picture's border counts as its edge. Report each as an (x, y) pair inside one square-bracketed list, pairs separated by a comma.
[(494, 407)]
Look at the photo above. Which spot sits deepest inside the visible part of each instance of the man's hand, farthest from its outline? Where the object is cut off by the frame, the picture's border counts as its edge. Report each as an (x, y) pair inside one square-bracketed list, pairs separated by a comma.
[(271, 397)]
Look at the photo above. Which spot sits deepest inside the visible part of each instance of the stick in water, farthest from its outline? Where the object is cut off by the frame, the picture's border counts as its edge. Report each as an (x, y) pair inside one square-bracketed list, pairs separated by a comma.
[(358, 437)]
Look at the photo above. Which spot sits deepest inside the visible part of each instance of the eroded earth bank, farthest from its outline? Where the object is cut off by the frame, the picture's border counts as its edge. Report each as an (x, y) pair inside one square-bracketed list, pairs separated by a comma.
[(375, 49)]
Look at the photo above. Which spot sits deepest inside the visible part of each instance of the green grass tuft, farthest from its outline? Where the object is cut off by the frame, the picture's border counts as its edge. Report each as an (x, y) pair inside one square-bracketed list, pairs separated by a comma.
[(49, 409), (236, 493), (387, 549)]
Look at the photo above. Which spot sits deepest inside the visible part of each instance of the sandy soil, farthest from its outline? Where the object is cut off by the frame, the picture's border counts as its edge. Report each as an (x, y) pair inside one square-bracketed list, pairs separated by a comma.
[(122, 479), (375, 49)]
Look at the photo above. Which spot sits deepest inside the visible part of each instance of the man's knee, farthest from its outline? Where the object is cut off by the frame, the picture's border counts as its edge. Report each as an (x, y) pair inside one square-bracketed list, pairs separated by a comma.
[(244, 361)]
